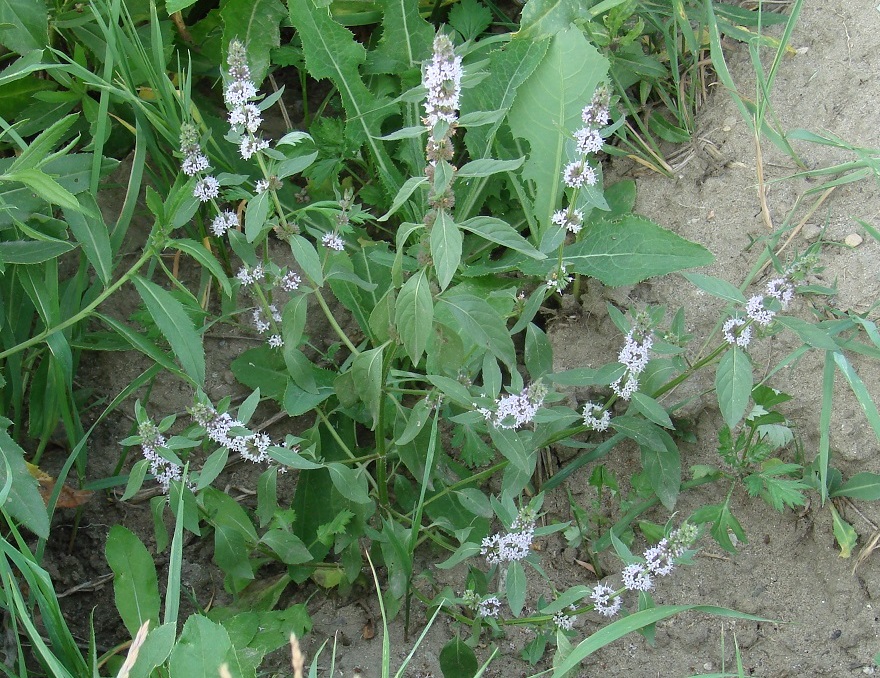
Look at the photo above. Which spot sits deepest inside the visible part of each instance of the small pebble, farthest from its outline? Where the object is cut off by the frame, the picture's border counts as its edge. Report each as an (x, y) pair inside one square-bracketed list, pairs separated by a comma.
[(853, 240), (810, 232)]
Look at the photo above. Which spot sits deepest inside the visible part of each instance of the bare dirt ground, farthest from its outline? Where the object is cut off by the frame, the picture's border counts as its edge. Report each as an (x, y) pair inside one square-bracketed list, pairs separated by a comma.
[(825, 616)]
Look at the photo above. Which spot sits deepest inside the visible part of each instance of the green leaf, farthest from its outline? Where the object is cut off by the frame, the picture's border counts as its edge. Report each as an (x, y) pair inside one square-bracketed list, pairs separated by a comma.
[(198, 252), (307, 258), (32, 251), (135, 583), (651, 410), (176, 326), (24, 25), (498, 231), (256, 24), (289, 548), (809, 333), (663, 468), (367, 371), (255, 216), (716, 287), (863, 396), (406, 37), (445, 248), (630, 250), (332, 52), (485, 167), (844, 533), (45, 187), (606, 635), (414, 314), (172, 6), (552, 100), (516, 587), (155, 650), (350, 483), (202, 647), (93, 236), (457, 660), (863, 485), (542, 18), (20, 493), (733, 385), (403, 194), (464, 312), (538, 354)]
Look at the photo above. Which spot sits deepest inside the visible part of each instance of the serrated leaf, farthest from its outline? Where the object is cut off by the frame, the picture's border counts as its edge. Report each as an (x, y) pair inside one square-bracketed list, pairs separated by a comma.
[(663, 468), (176, 327), (538, 354), (542, 18), (367, 371), (445, 248), (332, 52), (93, 236), (500, 232), (256, 24), (733, 385), (19, 490), (24, 25), (350, 483), (406, 36), (45, 187), (549, 101), (470, 18), (135, 582), (198, 252), (631, 250)]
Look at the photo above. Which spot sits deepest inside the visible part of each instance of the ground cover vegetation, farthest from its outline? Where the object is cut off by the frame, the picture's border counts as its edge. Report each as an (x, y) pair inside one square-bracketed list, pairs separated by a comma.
[(438, 189)]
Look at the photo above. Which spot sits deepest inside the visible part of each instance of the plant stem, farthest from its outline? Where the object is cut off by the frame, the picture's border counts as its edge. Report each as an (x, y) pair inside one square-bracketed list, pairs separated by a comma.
[(84, 313), (335, 325)]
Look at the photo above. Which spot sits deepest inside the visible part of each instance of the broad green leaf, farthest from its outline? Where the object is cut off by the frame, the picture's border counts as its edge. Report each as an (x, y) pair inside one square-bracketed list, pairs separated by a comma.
[(307, 257), (406, 37), (516, 587), (289, 548), (414, 314), (863, 485), (510, 66), (630, 250), (172, 320), (172, 6), (367, 371), (332, 52), (716, 287), (135, 583), (733, 385), (19, 490), (498, 231), (457, 659), (550, 101), (808, 333), (93, 236), (542, 18), (255, 216), (651, 410), (418, 417), (538, 354), (445, 248), (482, 324), (155, 650), (256, 24), (485, 167), (350, 483), (32, 251), (663, 468), (202, 647), (24, 25)]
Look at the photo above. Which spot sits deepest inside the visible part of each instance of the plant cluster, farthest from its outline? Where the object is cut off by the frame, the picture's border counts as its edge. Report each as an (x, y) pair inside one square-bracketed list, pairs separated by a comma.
[(447, 190)]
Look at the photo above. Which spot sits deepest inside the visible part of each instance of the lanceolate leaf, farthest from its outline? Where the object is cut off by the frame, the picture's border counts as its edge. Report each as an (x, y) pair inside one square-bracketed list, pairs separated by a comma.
[(499, 231), (24, 25), (628, 251), (445, 247), (256, 24), (19, 490), (413, 315), (332, 52), (733, 385), (552, 100), (135, 585), (172, 320)]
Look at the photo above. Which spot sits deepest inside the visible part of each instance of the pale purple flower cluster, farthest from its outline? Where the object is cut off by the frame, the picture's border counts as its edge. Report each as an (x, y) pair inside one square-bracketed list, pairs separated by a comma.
[(333, 241), (231, 433), (634, 355), (760, 310), (596, 417), (267, 317), (510, 546), (223, 222), (605, 600), (194, 161), (442, 79), (250, 276), (588, 140), (515, 411), (151, 442), (489, 607), (240, 92), (563, 621), (570, 219)]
